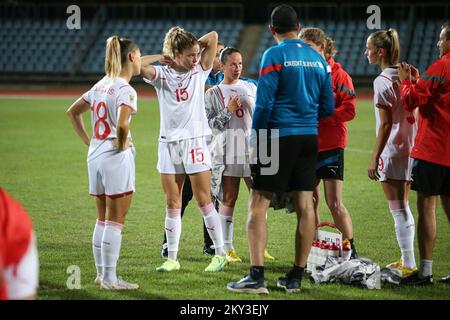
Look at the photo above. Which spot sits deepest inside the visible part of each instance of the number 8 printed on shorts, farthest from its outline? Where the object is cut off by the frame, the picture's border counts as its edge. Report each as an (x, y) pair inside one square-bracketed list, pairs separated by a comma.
[(101, 120)]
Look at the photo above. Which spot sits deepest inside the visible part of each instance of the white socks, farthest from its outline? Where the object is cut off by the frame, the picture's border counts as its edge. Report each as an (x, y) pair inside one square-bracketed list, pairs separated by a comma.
[(404, 230), (97, 245), (213, 225), (226, 220), (173, 231), (426, 268), (112, 239)]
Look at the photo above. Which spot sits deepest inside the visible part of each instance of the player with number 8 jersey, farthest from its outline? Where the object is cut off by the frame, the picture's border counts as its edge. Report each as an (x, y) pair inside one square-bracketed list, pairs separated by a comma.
[(180, 86), (111, 168)]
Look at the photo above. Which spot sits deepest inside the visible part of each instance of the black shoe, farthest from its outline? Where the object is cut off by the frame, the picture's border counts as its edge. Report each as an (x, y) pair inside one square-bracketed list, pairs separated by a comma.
[(164, 251), (445, 280), (290, 284), (415, 280), (208, 250), (354, 254), (249, 285)]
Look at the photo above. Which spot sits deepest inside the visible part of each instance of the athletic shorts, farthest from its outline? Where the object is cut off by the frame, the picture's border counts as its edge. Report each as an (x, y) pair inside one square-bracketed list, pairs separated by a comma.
[(297, 166), (330, 164), (395, 168), (112, 173), (237, 170), (430, 178), (185, 156), (23, 280)]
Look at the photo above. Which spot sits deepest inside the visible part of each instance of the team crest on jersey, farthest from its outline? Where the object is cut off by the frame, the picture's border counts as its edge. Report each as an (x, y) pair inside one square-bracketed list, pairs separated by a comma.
[(180, 85)]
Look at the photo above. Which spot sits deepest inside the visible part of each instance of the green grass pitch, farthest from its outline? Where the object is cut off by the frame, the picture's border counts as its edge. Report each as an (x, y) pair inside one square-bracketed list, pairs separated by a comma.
[(43, 164)]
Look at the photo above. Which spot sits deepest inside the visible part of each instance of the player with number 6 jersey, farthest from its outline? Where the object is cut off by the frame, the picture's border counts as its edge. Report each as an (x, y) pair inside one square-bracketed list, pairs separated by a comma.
[(111, 168), (180, 86)]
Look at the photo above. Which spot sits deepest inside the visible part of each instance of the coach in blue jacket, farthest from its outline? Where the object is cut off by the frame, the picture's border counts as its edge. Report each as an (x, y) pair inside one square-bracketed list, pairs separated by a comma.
[(294, 91)]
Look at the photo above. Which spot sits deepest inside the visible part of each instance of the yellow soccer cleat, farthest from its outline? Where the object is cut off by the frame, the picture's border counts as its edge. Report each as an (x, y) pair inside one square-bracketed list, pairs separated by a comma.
[(399, 265), (395, 265), (169, 265), (267, 255), (232, 256), (217, 264)]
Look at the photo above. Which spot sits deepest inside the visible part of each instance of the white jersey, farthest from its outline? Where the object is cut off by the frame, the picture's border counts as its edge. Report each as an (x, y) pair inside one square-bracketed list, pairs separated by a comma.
[(386, 89), (231, 130), (242, 117), (181, 100), (105, 98)]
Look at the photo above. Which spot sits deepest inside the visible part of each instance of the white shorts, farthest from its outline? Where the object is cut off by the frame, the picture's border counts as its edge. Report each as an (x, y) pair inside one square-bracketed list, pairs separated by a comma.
[(112, 173), (185, 156), (23, 281), (237, 170), (395, 168)]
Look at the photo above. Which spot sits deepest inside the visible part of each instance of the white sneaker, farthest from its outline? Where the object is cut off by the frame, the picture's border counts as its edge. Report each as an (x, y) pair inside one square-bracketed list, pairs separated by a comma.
[(120, 284), (99, 279)]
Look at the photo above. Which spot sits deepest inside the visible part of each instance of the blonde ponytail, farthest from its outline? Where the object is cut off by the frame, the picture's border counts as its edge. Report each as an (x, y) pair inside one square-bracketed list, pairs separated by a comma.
[(177, 40), (113, 60), (387, 40), (330, 48)]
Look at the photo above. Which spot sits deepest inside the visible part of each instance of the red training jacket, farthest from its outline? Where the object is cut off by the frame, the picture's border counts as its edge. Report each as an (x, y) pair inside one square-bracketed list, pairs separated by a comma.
[(333, 129), (431, 95)]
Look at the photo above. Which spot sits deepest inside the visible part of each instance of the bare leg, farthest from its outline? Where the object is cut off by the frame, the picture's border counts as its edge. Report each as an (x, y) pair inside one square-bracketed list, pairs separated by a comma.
[(316, 198), (305, 226), (445, 201), (341, 217), (426, 225), (257, 225)]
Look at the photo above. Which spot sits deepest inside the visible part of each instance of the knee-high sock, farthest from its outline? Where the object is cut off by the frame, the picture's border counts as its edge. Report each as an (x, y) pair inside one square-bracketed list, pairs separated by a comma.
[(111, 241), (404, 230), (97, 245), (226, 220), (173, 231), (213, 225)]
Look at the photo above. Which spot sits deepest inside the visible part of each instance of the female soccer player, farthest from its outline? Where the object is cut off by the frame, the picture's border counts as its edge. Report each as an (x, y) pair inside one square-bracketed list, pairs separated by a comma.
[(111, 154), (182, 149), (333, 135), (229, 108), (395, 131)]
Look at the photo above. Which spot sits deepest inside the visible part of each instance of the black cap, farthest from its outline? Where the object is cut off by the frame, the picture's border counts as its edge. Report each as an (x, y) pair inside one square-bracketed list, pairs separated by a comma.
[(283, 17)]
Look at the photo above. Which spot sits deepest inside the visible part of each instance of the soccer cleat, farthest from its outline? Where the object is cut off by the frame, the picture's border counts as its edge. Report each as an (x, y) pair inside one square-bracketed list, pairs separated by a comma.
[(209, 250), (267, 255), (169, 265), (98, 279), (217, 264), (415, 280), (120, 284), (445, 280), (395, 265), (405, 272), (165, 251), (233, 257), (291, 285), (249, 285)]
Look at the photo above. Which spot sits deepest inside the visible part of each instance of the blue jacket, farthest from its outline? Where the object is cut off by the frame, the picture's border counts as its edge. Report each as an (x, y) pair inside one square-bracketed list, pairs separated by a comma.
[(294, 90)]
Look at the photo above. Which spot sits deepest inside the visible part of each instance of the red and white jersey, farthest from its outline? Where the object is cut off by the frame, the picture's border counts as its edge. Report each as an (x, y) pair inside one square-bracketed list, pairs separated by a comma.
[(242, 117), (386, 89), (181, 97), (15, 234), (105, 98)]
